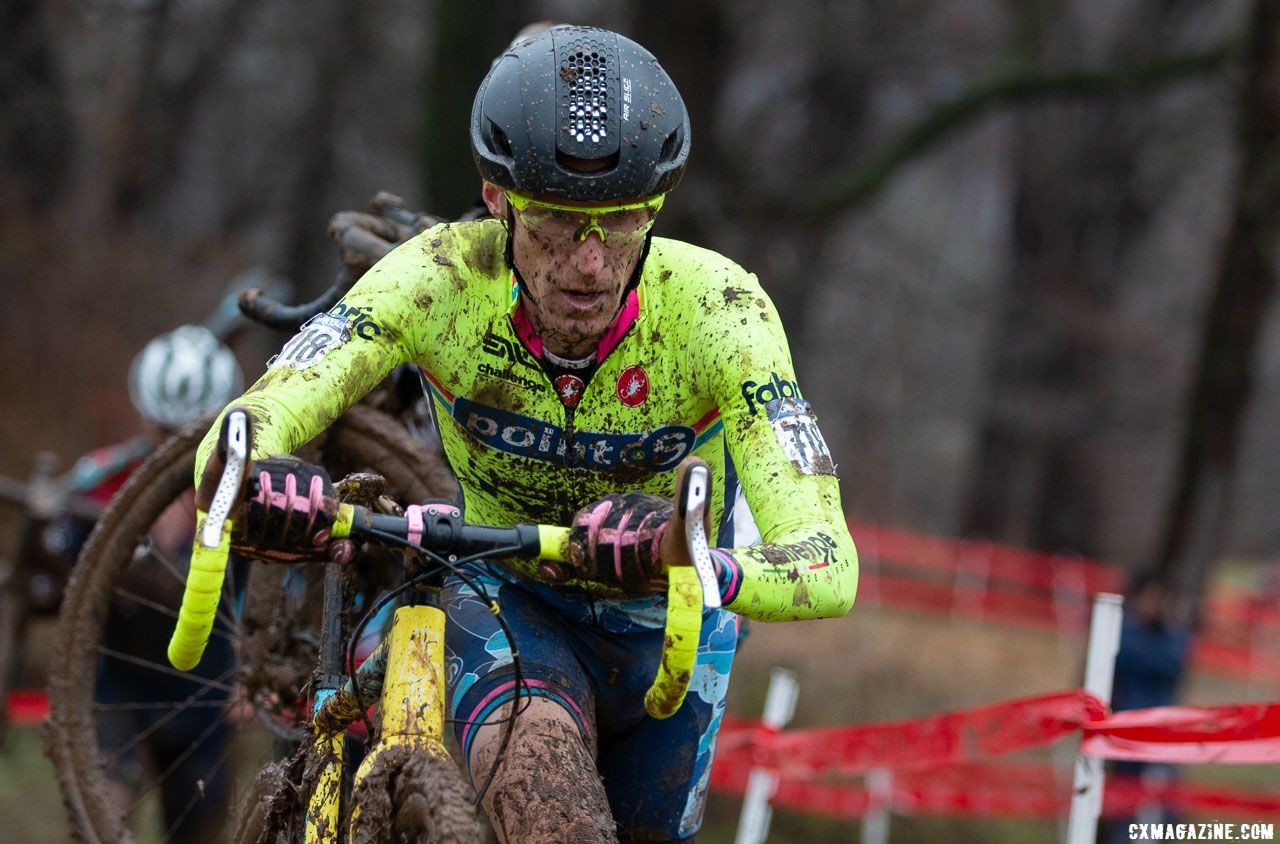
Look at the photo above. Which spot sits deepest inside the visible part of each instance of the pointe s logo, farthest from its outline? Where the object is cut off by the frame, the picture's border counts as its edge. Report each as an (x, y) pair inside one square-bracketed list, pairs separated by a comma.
[(657, 450)]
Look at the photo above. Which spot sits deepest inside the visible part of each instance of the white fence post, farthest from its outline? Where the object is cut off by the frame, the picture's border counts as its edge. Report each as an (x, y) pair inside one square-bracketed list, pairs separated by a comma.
[(779, 707), (1099, 671), (875, 826)]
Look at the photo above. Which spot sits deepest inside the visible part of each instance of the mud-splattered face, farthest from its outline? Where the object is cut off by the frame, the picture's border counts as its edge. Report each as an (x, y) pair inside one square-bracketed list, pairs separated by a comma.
[(575, 286)]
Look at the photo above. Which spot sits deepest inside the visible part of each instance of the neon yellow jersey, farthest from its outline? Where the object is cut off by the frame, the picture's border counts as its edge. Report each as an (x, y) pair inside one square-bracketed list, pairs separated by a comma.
[(696, 363)]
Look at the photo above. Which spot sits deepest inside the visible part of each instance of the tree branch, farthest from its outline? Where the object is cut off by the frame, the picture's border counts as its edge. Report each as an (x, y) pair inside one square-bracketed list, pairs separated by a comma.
[(1018, 85)]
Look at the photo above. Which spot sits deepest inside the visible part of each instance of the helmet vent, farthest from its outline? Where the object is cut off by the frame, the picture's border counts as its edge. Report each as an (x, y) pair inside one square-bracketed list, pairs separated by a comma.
[(500, 139), (671, 146), (587, 96)]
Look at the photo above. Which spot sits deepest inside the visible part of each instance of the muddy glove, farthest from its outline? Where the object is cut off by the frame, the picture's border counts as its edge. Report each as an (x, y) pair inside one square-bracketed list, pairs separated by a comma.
[(288, 512), (629, 540), (365, 236), (617, 542)]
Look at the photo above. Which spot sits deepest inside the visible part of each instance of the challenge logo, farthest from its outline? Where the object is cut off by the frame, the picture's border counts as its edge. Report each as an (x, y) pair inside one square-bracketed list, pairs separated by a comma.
[(659, 450), (816, 550), (359, 320), (759, 395), (510, 353), (508, 376)]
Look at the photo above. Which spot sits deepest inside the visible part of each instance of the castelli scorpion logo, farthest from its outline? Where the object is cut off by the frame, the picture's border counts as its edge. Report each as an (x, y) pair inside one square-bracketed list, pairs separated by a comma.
[(569, 388), (633, 386)]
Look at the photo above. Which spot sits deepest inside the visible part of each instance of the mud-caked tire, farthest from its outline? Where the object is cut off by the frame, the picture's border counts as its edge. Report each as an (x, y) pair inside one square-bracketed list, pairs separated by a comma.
[(412, 795), (121, 570)]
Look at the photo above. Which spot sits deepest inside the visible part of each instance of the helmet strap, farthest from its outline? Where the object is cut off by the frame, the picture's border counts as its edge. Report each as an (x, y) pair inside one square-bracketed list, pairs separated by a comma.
[(510, 255), (639, 270)]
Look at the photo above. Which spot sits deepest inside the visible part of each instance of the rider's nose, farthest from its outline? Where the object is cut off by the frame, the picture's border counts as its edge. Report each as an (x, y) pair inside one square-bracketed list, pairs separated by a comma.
[(588, 255)]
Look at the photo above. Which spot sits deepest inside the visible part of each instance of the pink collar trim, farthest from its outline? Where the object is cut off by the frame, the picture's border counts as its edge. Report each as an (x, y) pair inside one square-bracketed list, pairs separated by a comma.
[(627, 317)]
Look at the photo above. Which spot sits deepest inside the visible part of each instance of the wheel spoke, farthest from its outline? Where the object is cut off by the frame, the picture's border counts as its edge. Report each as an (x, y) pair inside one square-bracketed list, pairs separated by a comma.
[(154, 553), (172, 713), (166, 669), (148, 531), (179, 759), (158, 705), (168, 611), (197, 796)]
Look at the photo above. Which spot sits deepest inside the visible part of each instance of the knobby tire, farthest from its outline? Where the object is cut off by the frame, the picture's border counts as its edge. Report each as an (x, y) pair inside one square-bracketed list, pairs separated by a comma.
[(414, 795), (364, 439)]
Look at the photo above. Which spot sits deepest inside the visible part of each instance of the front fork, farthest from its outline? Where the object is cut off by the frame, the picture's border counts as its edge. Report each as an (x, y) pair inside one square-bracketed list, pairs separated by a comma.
[(412, 711)]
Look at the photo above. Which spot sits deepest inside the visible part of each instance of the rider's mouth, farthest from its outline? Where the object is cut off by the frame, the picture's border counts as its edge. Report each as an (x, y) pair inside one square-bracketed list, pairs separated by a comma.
[(582, 300)]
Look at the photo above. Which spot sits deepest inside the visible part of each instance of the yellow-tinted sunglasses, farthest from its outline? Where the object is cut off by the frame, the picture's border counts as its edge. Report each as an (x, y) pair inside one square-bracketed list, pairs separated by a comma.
[(617, 225)]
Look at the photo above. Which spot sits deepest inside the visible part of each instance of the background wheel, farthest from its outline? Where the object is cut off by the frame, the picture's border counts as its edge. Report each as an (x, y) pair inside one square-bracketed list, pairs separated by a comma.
[(127, 729)]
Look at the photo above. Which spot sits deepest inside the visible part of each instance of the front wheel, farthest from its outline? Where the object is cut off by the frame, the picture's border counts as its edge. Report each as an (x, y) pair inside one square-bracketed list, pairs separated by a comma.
[(413, 795), (124, 724)]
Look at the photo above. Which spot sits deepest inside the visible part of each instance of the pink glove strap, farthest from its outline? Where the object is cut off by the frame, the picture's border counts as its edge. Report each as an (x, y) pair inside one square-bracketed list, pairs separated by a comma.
[(289, 500), (619, 536)]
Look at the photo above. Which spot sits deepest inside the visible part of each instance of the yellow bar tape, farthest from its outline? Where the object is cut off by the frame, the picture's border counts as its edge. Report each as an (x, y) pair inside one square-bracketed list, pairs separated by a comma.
[(680, 646), (200, 598), (342, 521), (555, 543)]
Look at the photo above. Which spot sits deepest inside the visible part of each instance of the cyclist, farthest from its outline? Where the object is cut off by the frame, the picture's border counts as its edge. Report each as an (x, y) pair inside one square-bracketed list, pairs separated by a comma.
[(574, 360), (176, 378)]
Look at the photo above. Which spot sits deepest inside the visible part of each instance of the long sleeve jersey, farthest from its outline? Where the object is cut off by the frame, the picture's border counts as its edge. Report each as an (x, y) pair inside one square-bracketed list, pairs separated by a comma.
[(696, 363)]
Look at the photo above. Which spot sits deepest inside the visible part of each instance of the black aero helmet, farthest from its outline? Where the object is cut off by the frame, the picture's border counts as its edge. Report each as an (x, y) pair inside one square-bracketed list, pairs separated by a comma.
[(579, 93)]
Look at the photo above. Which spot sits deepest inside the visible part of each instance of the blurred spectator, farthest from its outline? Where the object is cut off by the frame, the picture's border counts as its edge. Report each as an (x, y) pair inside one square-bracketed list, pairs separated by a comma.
[(1154, 642)]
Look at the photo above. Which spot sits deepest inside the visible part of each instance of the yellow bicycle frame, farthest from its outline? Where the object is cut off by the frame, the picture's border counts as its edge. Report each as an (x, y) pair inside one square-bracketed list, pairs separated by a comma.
[(413, 696), (412, 707)]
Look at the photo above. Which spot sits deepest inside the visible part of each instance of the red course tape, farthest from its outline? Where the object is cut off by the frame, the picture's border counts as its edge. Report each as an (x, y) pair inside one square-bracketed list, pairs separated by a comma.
[(940, 764), (1031, 791), (1247, 733)]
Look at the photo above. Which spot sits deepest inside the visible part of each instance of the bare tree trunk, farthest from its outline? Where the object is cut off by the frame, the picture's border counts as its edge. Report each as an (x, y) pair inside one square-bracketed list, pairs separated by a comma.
[(690, 42), (1078, 210), (315, 144), (465, 45), (1199, 512), (158, 119), (37, 131)]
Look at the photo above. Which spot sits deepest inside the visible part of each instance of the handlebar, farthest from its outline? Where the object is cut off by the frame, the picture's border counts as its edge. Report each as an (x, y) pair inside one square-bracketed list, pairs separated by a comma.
[(46, 496), (264, 307), (440, 529), (259, 306)]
